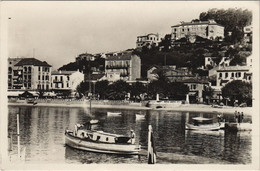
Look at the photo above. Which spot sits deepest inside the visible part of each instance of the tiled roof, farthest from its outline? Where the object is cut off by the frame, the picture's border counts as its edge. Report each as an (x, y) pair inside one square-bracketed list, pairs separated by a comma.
[(62, 72), (32, 61), (126, 56), (196, 23), (195, 80), (233, 68), (95, 76)]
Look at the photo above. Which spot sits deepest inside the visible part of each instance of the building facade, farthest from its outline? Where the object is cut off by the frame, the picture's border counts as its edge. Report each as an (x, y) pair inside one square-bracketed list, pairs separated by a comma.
[(205, 29), (13, 74), (148, 40), (66, 80), (30, 74), (228, 74), (125, 66)]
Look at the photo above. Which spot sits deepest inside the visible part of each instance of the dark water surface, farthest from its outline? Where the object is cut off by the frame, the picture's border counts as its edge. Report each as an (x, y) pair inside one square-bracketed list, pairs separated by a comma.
[(42, 135)]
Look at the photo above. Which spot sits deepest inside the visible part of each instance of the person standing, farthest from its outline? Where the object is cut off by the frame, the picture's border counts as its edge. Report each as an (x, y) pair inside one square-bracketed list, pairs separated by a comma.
[(242, 117), (132, 137), (235, 116), (239, 118)]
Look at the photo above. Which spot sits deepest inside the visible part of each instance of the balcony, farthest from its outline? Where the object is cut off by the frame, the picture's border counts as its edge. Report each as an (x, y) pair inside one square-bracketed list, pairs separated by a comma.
[(57, 81)]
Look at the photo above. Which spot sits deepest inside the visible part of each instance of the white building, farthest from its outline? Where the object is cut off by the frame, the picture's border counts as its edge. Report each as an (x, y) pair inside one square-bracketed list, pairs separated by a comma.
[(66, 80), (148, 40), (209, 60), (206, 29), (228, 74)]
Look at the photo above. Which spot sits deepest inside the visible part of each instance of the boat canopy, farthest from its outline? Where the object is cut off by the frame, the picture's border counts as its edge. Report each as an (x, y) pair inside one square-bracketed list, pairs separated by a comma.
[(201, 119)]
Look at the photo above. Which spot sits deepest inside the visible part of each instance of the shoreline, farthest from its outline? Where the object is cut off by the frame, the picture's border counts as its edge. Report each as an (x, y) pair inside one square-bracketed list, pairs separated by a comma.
[(181, 108)]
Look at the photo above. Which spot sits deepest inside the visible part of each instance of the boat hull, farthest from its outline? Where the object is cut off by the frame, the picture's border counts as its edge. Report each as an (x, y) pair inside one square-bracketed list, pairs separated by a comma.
[(109, 148), (208, 127)]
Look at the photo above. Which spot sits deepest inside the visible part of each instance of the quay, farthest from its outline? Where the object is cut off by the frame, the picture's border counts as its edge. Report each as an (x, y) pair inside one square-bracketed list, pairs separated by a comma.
[(109, 104)]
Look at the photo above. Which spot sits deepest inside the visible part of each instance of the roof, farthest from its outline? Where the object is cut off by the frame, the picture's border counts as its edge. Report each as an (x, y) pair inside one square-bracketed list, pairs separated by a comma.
[(32, 61), (62, 72), (95, 76), (195, 80), (126, 56), (197, 23), (149, 34), (234, 68)]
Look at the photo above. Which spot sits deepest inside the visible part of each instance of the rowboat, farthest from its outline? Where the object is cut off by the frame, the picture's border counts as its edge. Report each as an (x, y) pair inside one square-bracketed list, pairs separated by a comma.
[(204, 124), (101, 142), (113, 113), (139, 116)]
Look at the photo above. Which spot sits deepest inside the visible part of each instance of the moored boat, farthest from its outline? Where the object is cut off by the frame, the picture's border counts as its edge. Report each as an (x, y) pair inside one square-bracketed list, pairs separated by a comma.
[(101, 142), (204, 124), (113, 113)]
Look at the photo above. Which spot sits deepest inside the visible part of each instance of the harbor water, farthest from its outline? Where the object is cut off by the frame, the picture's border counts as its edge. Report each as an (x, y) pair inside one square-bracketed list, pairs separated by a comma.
[(42, 136)]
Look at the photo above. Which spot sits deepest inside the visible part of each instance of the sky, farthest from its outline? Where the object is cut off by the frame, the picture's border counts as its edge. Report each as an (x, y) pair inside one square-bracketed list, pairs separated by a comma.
[(57, 32)]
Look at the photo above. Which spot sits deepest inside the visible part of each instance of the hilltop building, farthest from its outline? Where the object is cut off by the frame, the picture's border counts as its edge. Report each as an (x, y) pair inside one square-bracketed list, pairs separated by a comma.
[(205, 29), (125, 66), (148, 40), (28, 74)]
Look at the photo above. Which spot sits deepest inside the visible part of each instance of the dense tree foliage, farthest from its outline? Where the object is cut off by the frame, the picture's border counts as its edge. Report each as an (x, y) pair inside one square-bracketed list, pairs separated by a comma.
[(234, 20), (238, 90)]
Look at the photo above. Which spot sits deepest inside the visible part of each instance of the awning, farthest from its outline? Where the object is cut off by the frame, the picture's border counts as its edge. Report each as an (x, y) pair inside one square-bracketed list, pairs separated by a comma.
[(49, 94), (13, 93)]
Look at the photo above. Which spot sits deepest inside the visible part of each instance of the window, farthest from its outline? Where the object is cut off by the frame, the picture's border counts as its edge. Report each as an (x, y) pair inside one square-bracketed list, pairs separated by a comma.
[(39, 77), (25, 77), (29, 77), (239, 74), (62, 85), (43, 77), (25, 85), (47, 87), (232, 75), (29, 69), (56, 78), (9, 69), (220, 75), (25, 69), (226, 75), (29, 85), (43, 87), (46, 77), (68, 78), (67, 84), (39, 69), (61, 78)]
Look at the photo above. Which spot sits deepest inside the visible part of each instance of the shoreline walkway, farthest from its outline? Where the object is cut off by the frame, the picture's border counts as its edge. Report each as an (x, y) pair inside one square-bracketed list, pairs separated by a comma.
[(138, 106)]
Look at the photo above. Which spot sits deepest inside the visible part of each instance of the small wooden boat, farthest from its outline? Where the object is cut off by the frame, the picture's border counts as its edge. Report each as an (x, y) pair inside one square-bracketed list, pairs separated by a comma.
[(113, 113), (204, 124), (101, 142), (139, 116)]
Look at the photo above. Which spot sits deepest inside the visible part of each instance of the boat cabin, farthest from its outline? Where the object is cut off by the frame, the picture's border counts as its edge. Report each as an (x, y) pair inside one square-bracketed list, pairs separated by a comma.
[(101, 136), (201, 121)]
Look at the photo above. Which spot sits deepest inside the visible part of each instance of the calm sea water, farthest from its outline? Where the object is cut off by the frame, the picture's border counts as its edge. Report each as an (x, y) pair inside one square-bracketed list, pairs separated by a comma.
[(42, 135)]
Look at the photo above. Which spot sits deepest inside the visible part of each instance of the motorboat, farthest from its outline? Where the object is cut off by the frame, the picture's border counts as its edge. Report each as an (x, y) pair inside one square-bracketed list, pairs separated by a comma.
[(204, 124), (113, 113), (101, 142)]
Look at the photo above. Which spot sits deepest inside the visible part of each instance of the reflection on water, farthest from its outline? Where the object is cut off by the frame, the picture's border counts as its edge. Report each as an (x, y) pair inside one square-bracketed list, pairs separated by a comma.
[(42, 135)]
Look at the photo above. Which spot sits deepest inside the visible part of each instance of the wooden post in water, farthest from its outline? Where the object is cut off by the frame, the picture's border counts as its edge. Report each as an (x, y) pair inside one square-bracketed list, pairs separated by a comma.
[(151, 154), (18, 137)]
